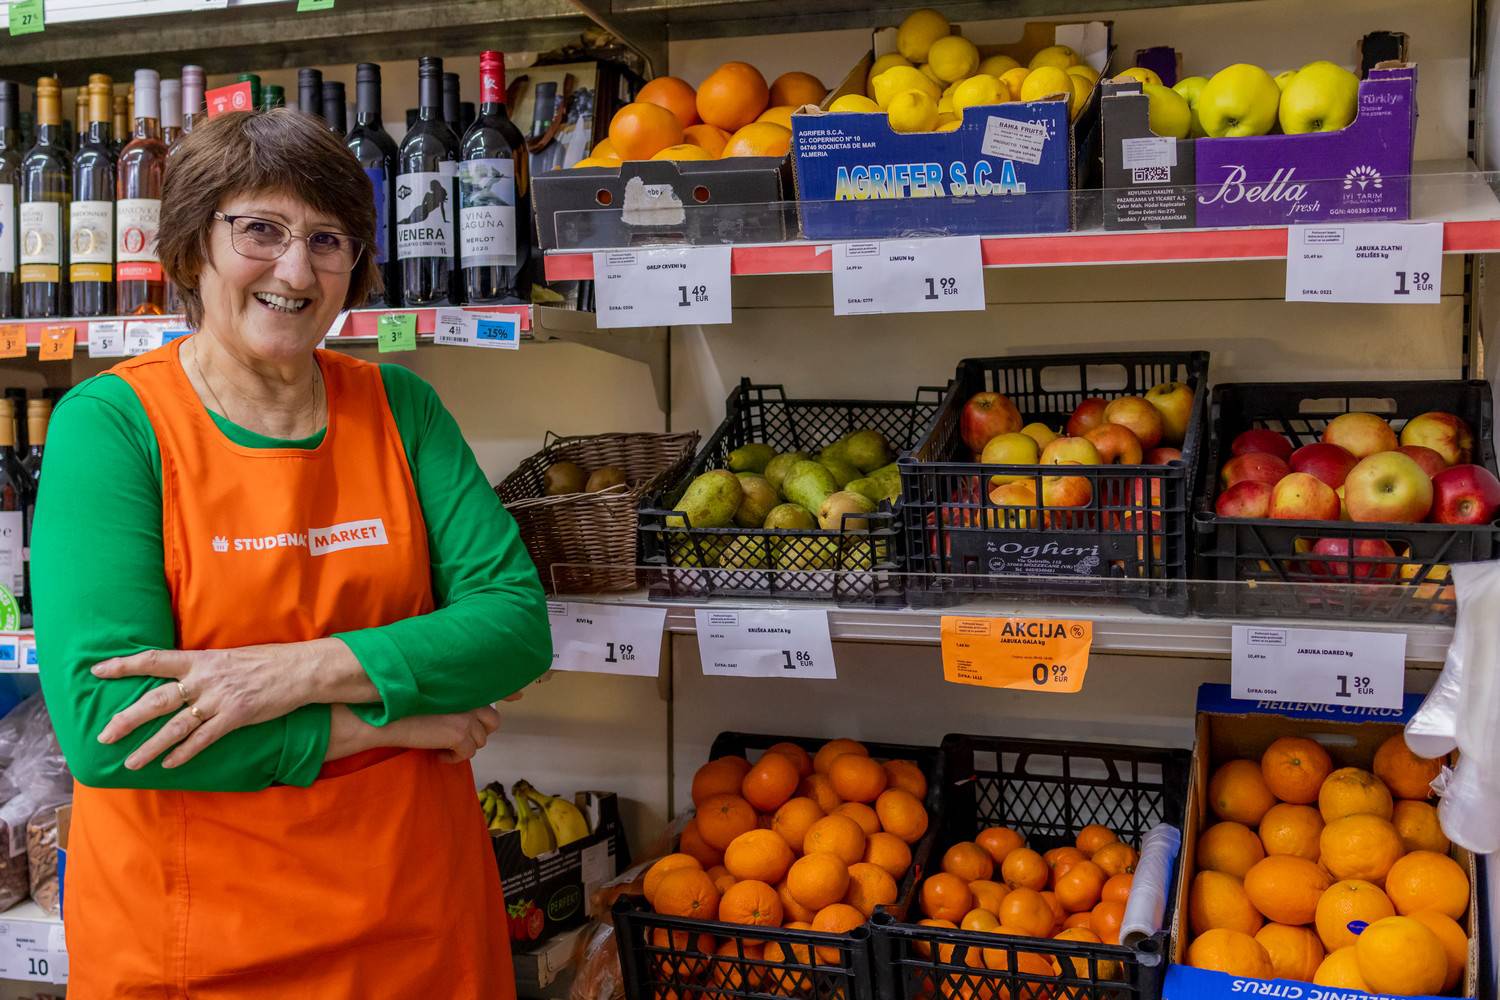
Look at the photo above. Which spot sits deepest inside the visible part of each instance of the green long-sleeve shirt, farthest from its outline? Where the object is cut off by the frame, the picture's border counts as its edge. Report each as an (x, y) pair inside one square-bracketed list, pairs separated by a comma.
[(99, 590)]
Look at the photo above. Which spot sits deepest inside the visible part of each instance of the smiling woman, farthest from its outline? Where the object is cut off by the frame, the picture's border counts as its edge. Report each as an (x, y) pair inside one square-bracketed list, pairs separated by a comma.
[(270, 664)]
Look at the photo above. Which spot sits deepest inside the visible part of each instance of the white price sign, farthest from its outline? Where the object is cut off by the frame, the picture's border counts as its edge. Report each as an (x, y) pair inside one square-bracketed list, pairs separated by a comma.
[(606, 638), (1317, 666), (459, 328), (765, 644), (908, 276), (33, 951), (1381, 262), (677, 286), (142, 337), (107, 338)]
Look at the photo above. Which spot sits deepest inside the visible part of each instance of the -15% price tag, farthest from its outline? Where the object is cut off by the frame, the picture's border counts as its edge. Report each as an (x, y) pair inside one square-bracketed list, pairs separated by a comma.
[(606, 638), (1382, 262), (669, 286), (1317, 666), (908, 276), (765, 644), (1023, 654)]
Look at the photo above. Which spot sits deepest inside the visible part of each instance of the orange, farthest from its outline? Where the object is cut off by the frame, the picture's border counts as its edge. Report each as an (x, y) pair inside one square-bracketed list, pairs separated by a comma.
[(988, 895), (1116, 859), (818, 788), (660, 870), (682, 966), (758, 854), (1231, 848), (1058, 913), (1294, 768), (924, 948), (1233, 952), (1350, 790), (1219, 900), (1427, 880), (794, 818), (790, 908), (1455, 943), (604, 150), (1107, 968), (869, 886), (862, 814), (771, 782), (817, 880), (1341, 970), (1024, 869), (907, 776), (838, 835), (751, 902), (1418, 825), (691, 842), (1360, 846), (687, 892), (902, 813), (1081, 887), (1401, 955), (792, 982), (732, 96), (839, 918), (1117, 887), (777, 115), (797, 754), (833, 749), (1027, 964), (1079, 920), (979, 919), (889, 852), (998, 841), (968, 861), (1025, 911), (946, 897), (1295, 952), (723, 817), (722, 879), (682, 151), (797, 89), (677, 96), (1060, 859), (759, 139), (1093, 837), (1293, 830), (639, 130), (719, 777), (1237, 791), (737, 969), (1104, 920), (1346, 907), (1404, 773), (711, 140), (1286, 889)]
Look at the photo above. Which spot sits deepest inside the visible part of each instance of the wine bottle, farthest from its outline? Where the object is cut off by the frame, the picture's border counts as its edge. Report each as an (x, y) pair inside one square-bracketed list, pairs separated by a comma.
[(171, 112), (254, 81), (120, 130), (140, 288), (46, 189), (194, 112), (333, 108), (10, 178), (310, 92), (275, 97), (425, 201), (451, 102), (14, 493), (81, 117), (492, 179), (376, 152), (466, 116), (91, 222), (38, 413)]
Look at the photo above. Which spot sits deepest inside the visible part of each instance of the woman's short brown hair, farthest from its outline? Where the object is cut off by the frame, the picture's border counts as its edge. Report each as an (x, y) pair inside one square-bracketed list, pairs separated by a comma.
[(241, 152)]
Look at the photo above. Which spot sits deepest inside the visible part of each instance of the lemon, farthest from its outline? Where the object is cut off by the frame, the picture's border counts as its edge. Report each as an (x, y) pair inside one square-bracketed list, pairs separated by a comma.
[(1081, 90), (948, 126), (995, 65), (953, 58), (945, 105), (1084, 70), (931, 74), (683, 152), (912, 111), (594, 161), (979, 90), (1014, 79), (899, 79), (853, 102), (1046, 82), (917, 33), (880, 65), (605, 150), (1140, 74), (1056, 56)]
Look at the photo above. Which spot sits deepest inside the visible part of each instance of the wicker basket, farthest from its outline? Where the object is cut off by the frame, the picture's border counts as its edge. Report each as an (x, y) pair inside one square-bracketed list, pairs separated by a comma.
[(593, 530)]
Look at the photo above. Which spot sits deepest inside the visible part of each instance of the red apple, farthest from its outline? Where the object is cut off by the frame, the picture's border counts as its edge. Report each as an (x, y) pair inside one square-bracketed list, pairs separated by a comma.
[(1257, 465), (1246, 498), (1174, 401), (1430, 461), (1260, 439), (1161, 456), (1388, 487), (1071, 449), (1301, 497), (1116, 444), (1444, 433), (1328, 462), (1086, 416), (1364, 548), (1143, 419), (1361, 434), (987, 415), (1465, 494)]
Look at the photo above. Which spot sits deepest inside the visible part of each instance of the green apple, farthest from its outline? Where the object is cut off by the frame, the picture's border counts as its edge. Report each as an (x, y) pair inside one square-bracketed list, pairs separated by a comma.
[(1239, 100), (1324, 97), (1190, 87), (1283, 78), (1170, 114)]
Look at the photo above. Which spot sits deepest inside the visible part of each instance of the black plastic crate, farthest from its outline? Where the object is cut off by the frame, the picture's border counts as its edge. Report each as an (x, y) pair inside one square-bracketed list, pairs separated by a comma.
[(1047, 791), (661, 957), (1237, 551), (1130, 542), (849, 567)]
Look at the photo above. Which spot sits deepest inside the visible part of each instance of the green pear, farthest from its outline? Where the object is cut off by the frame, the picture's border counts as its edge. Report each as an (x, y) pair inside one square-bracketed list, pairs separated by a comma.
[(751, 457), (808, 552), (790, 517), (808, 484), (694, 551), (759, 497), (777, 468), (1322, 97), (1190, 87), (710, 500), (843, 471), (838, 451), (867, 486), (832, 512), (867, 450), (745, 552), (1239, 100)]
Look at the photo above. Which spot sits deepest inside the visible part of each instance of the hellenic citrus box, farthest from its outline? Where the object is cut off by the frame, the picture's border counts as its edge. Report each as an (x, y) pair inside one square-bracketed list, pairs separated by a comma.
[(1009, 168), (1230, 729)]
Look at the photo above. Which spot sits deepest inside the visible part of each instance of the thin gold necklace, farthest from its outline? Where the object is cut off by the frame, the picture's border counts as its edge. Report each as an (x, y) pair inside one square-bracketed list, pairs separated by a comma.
[(224, 411)]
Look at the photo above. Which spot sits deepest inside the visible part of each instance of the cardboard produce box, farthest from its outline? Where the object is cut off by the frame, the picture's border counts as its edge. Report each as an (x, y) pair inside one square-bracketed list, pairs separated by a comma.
[(1228, 729), (1009, 168)]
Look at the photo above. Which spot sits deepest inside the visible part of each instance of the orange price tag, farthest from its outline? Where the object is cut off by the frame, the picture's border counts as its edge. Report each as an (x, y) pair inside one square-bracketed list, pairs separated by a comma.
[(1024, 654), (58, 343), (12, 341)]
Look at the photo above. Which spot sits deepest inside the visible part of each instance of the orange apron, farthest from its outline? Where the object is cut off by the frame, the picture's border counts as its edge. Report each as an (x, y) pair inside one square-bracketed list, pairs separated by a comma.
[(379, 880)]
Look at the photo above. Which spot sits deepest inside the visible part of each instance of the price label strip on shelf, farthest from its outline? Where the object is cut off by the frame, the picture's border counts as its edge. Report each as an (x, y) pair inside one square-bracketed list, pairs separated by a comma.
[(142, 337), (670, 286), (1023, 654), (772, 643), (12, 341), (1318, 666), (396, 332), (107, 338), (1380, 262), (460, 328), (33, 951), (58, 343), (908, 276), (606, 638)]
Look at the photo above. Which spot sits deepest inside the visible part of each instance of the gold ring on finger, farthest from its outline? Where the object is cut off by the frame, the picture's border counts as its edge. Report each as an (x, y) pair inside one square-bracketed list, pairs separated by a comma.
[(196, 714), (181, 690)]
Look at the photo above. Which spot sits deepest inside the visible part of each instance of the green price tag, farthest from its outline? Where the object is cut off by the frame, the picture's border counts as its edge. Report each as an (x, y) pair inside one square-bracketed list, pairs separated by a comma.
[(306, 5), (26, 17), (397, 332)]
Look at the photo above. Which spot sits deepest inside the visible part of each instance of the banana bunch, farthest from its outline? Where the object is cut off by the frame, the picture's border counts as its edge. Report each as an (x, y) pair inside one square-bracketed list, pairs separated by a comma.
[(498, 812), (546, 819)]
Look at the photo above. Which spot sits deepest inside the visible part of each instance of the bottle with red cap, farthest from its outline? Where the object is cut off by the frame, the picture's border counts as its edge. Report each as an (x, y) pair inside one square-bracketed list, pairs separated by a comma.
[(493, 219)]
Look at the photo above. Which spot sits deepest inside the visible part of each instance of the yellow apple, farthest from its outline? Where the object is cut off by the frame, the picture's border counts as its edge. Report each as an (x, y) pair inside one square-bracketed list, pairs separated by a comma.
[(1010, 449), (1140, 74), (1239, 100), (1190, 87), (1169, 114), (1322, 97)]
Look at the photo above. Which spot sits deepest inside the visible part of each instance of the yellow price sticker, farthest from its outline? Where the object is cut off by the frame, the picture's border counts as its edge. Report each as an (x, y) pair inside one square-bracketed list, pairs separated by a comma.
[(58, 343), (12, 341), (1023, 654)]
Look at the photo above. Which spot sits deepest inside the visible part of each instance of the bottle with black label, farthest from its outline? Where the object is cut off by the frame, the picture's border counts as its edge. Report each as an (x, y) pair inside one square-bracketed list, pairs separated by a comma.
[(310, 92), (426, 220), (492, 186), (376, 152), (334, 102), (91, 222), (46, 193), (10, 179)]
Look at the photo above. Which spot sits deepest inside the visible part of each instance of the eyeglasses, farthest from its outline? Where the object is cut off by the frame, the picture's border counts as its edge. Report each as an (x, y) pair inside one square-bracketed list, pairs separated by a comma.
[(263, 239)]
